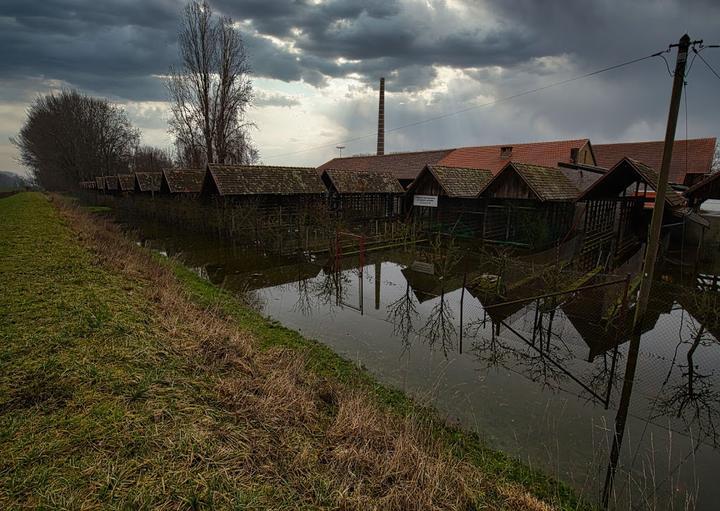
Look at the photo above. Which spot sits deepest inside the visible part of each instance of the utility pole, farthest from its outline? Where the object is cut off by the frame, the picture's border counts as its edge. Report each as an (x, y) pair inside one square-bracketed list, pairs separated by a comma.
[(648, 267), (657, 215)]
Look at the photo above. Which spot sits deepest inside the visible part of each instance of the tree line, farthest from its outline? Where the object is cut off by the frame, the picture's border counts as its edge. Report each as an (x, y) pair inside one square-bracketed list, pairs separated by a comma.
[(70, 136)]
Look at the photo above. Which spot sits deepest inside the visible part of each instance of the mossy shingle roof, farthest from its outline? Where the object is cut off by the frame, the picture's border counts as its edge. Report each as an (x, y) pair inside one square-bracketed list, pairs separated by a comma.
[(126, 182), (546, 183), (360, 181), (148, 181), (112, 183), (460, 182), (265, 180), (183, 180)]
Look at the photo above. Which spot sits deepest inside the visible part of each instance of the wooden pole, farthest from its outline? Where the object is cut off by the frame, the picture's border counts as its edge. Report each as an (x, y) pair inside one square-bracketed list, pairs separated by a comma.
[(657, 215)]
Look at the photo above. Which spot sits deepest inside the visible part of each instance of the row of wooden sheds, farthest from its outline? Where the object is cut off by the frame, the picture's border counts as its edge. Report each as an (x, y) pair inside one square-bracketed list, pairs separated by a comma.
[(537, 206), (361, 194), (522, 204)]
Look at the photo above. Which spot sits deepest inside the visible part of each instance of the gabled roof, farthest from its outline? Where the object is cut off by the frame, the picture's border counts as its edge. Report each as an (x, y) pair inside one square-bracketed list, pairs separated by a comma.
[(622, 175), (546, 183), (262, 180), (148, 181), (489, 157), (456, 182), (100, 182), (693, 156), (360, 181), (182, 180), (126, 182), (401, 165), (112, 183)]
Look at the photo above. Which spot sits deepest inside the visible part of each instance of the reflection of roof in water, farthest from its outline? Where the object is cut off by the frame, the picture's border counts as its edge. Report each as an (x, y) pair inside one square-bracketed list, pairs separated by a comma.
[(271, 277), (427, 287)]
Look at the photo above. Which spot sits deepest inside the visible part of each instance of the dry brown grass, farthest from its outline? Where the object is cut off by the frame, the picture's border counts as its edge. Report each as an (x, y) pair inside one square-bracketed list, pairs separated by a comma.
[(331, 446)]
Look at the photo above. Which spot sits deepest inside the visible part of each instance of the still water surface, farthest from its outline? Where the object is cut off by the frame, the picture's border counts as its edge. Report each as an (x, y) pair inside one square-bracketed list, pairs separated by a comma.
[(541, 379)]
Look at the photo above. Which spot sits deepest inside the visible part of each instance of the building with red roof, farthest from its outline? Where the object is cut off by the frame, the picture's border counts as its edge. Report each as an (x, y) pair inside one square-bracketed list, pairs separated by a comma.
[(691, 160)]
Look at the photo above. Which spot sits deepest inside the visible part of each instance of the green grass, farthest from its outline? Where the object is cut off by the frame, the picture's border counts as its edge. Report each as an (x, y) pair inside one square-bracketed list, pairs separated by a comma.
[(94, 408), (98, 407), (329, 364)]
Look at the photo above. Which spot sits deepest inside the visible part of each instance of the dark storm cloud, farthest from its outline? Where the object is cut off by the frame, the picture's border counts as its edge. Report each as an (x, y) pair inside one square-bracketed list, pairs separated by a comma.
[(106, 47)]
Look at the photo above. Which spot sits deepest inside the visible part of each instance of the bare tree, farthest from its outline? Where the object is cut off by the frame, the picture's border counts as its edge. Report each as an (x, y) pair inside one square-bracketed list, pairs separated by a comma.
[(150, 159), (70, 137), (210, 91)]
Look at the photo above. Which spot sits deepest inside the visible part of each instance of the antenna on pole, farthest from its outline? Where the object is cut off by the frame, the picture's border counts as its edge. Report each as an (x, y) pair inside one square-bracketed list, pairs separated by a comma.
[(340, 148)]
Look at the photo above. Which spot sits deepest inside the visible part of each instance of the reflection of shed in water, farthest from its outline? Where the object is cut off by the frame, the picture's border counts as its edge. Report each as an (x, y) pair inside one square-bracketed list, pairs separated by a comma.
[(271, 277), (528, 205), (427, 286), (363, 194), (597, 316), (457, 208), (617, 216)]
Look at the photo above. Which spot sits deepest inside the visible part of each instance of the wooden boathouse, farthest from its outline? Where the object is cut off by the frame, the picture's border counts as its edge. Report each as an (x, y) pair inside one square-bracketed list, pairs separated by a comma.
[(530, 206), (363, 195), (618, 212), (446, 199)]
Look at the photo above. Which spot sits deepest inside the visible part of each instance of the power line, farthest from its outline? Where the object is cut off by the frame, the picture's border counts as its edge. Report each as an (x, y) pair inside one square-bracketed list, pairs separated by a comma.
[(474, 107), (708, 65)]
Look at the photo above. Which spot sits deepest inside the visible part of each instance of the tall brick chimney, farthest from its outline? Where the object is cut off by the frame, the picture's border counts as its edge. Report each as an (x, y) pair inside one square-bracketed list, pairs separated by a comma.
[(381, 120)]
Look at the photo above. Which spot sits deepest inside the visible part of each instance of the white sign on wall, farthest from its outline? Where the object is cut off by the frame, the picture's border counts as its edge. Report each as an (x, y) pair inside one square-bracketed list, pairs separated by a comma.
[(428, 201)]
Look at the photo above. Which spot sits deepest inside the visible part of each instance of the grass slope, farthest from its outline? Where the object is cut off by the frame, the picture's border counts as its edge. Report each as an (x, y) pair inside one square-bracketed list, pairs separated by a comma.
[(128, 382)]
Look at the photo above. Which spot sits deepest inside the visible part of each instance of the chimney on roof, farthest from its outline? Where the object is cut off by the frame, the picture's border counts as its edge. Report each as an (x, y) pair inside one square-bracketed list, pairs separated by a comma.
[(381, 120), (506, 151)]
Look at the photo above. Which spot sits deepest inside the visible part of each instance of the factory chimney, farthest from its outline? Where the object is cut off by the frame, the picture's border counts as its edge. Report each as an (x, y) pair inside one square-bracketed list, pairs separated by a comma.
[(381, 120)]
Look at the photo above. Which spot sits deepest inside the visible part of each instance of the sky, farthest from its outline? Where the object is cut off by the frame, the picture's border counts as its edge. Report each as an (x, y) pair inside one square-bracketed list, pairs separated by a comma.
[(316, 66)]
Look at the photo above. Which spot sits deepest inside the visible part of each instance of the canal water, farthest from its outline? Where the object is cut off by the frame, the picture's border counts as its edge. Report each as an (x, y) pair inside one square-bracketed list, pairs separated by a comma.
[(541, 380)]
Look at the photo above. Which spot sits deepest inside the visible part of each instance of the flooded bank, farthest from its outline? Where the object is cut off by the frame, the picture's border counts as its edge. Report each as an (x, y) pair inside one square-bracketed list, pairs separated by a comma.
[(541, 379)]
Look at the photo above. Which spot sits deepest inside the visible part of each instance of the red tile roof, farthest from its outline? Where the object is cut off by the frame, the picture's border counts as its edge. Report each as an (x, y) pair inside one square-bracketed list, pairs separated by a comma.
[(699, 151), (402, 165), (547, 154)]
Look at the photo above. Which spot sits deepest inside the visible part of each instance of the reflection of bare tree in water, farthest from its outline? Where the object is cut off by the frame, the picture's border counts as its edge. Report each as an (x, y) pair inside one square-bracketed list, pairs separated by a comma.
[(489, 349), (304, 302), (693, 397), (330, 288), (439, 326), (401, 313)]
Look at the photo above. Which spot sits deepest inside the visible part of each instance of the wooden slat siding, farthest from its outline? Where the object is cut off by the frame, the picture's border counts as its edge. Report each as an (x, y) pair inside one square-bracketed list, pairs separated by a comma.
[(361, 181), (148, 181), (244, 180)]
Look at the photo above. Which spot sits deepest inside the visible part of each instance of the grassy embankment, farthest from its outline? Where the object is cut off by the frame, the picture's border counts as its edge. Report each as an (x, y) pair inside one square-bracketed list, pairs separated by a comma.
[(129, 382)]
